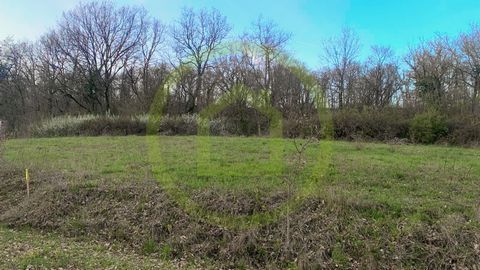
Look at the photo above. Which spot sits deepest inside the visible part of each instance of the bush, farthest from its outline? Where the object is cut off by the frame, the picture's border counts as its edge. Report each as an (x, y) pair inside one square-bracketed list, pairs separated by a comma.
[(186, 124), (95, 125), (113, 126), (90, 125), (428, 127), (303, 128), (235, 119), (387, 124), (464, 130), (239, 119)]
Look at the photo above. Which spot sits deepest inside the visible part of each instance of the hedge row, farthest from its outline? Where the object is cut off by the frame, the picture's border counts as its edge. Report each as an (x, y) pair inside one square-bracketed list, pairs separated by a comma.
[(390, 124)]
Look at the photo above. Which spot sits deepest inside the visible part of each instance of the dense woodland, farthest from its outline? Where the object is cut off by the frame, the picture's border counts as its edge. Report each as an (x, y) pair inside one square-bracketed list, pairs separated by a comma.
[(102, 58)]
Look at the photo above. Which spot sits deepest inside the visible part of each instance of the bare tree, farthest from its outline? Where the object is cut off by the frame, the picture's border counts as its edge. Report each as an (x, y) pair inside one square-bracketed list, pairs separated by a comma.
[(271, 41), (197, 36), (469, 45), (98, 39), (18, 82), (145, 72), (432, 69), (341, 54), (382, 78)]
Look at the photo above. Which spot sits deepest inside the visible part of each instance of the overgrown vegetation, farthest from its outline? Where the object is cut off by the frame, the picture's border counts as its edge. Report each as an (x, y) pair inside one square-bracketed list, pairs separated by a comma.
[(89, 125), (379, 205), (378, 98), (97, 125), (388, 125)]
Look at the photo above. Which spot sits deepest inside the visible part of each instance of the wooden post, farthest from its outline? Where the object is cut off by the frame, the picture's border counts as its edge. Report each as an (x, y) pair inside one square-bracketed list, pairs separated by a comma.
[(27, 180)]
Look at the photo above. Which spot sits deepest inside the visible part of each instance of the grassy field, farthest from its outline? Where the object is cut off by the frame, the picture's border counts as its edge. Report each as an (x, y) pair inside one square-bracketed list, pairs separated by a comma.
[(397, 191), (407, 178), (27, 249)]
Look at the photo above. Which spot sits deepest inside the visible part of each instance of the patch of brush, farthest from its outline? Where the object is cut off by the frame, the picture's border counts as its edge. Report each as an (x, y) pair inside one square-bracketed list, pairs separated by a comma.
[(238, 202), (324, 233)]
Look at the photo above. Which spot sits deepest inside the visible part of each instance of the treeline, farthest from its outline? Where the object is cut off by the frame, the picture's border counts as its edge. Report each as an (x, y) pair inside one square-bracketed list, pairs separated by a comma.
[(101, 59)]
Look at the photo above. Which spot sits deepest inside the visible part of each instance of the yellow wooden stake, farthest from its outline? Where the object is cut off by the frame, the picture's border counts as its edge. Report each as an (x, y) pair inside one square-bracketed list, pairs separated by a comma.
[(27, 180)]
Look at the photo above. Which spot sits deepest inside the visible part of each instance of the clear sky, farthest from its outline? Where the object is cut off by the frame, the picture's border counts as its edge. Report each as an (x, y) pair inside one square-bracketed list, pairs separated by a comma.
[(396, 23)]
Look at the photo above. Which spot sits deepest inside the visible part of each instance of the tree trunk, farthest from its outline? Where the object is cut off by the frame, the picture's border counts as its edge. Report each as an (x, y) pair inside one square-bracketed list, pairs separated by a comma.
[(107, 99), (475, 94), (198, 89)]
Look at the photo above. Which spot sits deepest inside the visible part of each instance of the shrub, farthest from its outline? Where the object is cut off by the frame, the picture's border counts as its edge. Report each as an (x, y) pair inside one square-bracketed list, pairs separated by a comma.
[(96, 125), (388, 124), (238, 119), (369, 124), (428, 127), (186, 124), (303, 128), (232, 120), (464, 130), (90, 125), (113, 126)]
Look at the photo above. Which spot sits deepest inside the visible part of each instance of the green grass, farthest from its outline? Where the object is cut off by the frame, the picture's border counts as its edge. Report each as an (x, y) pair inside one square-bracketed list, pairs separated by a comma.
[(28, 248), (408, 179), (95, 157), (396, 187)]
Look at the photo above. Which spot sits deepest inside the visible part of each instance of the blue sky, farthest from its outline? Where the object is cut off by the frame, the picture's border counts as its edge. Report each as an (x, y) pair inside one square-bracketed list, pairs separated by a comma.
[(398, 24)]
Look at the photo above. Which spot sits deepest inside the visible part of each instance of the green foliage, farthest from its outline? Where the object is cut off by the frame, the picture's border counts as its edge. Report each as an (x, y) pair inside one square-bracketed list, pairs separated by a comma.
[(428, 127), (166, 252), (338, 256), (149, 247)]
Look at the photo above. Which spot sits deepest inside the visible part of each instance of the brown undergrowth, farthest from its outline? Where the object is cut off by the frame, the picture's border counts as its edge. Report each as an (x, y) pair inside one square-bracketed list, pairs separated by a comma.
[(328, 232)]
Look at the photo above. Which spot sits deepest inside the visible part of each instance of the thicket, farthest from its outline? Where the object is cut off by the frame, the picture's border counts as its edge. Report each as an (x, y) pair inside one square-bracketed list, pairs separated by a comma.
[(349, 124)]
